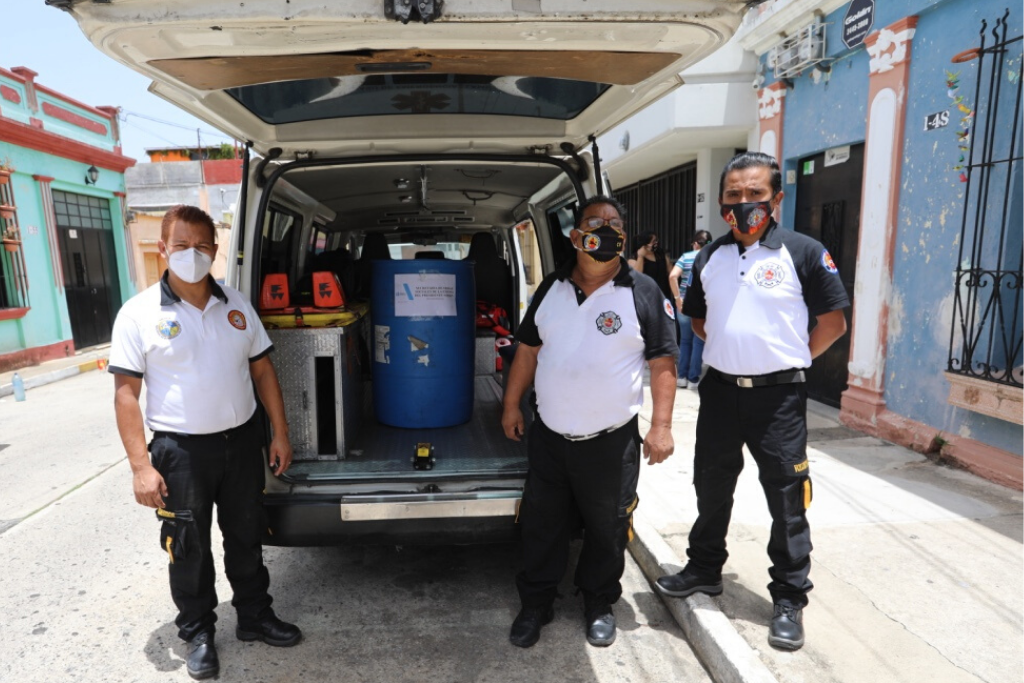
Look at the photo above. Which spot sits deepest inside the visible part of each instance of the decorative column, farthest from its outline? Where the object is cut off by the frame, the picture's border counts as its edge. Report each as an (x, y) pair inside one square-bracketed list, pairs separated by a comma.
[(889, 49), (129, 242), (771, 108), (52, 239), (771, 112)]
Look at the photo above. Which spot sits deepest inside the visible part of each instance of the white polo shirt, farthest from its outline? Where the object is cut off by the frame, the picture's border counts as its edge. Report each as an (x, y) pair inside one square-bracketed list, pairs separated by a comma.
[(590, 364), (194, 364), (756, 302)]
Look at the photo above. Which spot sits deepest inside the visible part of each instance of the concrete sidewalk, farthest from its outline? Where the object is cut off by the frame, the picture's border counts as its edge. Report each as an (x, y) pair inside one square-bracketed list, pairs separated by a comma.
[(917, 567), (92, 358)]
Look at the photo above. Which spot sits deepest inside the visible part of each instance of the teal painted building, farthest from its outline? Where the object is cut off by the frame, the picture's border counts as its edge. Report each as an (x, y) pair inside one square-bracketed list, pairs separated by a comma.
[(66, 266)]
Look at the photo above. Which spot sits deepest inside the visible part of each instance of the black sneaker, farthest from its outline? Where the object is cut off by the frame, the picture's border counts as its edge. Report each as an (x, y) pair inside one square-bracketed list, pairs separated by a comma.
[(686, 583), (526, 627), (787, 630), (202, 659)]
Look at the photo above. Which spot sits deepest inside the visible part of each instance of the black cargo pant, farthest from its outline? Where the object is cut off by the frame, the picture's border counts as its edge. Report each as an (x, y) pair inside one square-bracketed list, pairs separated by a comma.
[(225, 469), (772, 422), (569, 481)]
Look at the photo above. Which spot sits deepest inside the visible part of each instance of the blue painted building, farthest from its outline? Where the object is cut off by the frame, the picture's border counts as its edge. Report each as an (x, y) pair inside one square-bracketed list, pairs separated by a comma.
[(907, 165)]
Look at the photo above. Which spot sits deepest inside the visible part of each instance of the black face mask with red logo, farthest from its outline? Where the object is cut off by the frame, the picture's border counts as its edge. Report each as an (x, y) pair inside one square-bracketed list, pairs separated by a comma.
[(603, 244), (747, 217)]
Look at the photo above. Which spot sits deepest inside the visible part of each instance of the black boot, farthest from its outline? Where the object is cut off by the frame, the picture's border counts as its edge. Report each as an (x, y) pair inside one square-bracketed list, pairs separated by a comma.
[(271, 631), (526, 627), (787, 630), (600, 624), (202, 657), (687, 583)]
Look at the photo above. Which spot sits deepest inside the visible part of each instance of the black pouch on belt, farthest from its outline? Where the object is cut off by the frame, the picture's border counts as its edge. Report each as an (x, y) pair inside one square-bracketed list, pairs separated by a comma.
[(177, 533)]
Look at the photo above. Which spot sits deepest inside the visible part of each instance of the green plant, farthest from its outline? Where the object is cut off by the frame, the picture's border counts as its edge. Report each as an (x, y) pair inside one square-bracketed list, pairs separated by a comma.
[(225, 151)]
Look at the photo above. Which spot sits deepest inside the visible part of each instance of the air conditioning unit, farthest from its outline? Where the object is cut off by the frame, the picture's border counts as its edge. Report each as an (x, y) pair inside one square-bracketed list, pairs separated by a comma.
[(798, 52)]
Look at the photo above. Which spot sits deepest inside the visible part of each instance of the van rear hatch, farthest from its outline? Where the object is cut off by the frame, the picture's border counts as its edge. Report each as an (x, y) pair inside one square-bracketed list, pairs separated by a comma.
[(346, 78)]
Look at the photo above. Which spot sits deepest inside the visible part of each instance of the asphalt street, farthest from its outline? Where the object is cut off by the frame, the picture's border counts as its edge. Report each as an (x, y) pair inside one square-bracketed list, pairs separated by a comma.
[(85, 588)]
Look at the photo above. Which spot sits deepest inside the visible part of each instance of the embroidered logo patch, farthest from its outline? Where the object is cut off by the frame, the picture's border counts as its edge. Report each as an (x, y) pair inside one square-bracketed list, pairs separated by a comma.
[(770, 275), (609, 322), (757, 218), (168, 329), (826, 260), (800, 467), (237, 319), (591, 242), (670, 310)]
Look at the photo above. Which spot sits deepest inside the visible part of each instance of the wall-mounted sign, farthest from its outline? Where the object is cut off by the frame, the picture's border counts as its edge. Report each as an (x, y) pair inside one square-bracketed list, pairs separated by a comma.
[(700, 197), (790, 177), (809, 167), (837, 155), (937, 120), (860, 17)]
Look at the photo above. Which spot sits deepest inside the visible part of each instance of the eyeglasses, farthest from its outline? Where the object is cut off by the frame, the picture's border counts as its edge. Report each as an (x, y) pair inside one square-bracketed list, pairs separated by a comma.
[(595, 222)]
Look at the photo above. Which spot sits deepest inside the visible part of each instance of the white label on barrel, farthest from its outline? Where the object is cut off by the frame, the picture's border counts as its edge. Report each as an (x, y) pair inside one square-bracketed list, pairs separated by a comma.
[(382, 342), (424, 295)]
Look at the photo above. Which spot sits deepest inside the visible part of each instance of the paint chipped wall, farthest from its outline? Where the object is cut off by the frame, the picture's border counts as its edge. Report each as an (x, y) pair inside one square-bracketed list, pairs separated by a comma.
[(931, 214), (824, 112)]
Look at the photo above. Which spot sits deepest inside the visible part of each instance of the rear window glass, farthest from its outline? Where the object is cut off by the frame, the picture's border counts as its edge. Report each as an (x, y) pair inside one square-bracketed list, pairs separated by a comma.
[(377, 95)]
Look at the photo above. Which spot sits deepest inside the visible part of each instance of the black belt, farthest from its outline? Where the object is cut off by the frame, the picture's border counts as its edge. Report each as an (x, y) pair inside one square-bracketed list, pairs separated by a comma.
[(226, 434), (767, 380)]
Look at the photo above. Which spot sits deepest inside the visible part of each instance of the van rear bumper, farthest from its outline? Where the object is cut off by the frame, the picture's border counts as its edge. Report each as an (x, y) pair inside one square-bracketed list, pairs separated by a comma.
[(403, 520)]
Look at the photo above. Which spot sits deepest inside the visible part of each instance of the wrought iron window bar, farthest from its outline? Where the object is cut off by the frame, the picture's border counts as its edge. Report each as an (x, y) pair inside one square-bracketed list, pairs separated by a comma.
[(986, 332)]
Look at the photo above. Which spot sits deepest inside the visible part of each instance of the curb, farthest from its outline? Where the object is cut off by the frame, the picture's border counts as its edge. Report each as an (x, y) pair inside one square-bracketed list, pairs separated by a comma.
[(722, 650), (55, 376)]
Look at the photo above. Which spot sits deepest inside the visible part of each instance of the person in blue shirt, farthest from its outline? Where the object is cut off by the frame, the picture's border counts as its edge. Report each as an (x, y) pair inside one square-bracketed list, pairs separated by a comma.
[(691, 347)]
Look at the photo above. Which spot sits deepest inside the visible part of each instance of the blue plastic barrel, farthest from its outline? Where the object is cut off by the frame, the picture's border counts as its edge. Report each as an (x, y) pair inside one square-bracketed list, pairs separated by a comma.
[(423, 342)]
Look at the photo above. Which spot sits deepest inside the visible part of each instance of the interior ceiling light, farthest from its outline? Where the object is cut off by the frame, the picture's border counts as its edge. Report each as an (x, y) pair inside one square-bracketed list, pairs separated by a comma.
[(401, 183), (478, 173), (405, 198)]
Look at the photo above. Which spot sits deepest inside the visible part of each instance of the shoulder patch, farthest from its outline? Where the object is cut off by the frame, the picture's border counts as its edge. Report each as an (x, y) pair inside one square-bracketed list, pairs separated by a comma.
[(826, 260), (670, 310)]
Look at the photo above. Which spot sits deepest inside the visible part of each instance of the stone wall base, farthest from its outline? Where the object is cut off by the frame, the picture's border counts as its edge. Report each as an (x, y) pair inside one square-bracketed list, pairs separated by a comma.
[(865, 411), (36, 355)]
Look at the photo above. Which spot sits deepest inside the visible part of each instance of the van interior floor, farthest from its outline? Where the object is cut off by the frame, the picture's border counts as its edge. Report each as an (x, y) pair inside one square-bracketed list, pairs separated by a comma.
[(475, 449)]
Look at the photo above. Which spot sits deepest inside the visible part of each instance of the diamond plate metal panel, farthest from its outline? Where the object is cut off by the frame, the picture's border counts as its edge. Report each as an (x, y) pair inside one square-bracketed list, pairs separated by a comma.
[(295, 351), (478, 447)]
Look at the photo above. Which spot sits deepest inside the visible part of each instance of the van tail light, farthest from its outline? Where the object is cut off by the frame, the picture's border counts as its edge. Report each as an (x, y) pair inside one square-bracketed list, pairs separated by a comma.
[(327, 291), (274, 293)]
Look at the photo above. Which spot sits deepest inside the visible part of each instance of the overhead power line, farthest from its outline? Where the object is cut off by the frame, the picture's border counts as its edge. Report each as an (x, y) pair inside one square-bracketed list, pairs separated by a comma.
[(125, 114)]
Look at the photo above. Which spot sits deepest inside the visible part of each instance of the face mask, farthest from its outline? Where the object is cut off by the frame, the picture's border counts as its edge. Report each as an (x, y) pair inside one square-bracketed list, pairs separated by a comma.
[(191, 265), (747, 217), (603, 244)]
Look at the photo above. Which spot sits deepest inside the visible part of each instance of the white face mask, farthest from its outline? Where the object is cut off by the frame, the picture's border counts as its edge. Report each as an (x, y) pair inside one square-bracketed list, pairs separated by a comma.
[(191, 265)]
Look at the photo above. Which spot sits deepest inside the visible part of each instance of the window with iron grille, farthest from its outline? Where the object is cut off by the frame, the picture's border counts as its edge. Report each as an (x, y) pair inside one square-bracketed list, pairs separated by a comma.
[(986, 334), (13, 275), (665, 204)]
